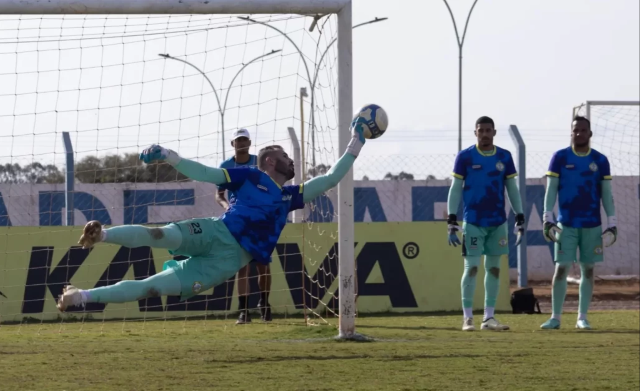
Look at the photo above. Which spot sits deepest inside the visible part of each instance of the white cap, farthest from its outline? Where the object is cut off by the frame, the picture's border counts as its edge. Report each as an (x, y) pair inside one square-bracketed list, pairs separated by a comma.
[(241, 133)]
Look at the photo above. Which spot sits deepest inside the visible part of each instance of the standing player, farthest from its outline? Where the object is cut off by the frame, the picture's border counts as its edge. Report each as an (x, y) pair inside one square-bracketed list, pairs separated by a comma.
[(480, 175), (242, 158), (580, 177), (217, 247)]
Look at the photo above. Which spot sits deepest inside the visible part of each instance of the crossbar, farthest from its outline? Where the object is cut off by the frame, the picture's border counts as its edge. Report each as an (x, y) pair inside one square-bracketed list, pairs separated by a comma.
[(105, 7)]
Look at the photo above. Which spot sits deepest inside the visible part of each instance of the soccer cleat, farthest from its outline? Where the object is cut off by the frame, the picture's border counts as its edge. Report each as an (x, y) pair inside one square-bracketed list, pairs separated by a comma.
[(551, 324), (583, 324), (467, 325), (493, 324), (71, 296), (91, 235), (265, 313), (244, 318)]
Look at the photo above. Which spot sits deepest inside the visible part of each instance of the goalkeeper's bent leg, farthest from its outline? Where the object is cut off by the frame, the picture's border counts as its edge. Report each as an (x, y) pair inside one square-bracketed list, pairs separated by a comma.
[(491, 284), (468, 283), (586, 290), (161, 284), (559, 290), (169, 237)]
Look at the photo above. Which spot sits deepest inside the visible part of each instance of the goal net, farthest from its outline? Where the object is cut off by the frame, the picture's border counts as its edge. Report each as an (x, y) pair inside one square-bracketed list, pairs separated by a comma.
[(82, 95), (616, 134)]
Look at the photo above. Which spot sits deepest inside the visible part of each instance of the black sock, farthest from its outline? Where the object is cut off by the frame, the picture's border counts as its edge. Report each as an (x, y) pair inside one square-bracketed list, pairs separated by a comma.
[(242, 303), (264, 299)]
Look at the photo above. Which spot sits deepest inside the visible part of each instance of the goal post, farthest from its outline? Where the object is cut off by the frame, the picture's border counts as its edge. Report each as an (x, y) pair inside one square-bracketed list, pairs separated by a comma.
[(342, 9)]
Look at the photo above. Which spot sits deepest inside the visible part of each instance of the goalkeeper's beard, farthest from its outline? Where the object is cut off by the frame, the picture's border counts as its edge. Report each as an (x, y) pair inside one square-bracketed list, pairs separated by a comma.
[(284, 169)]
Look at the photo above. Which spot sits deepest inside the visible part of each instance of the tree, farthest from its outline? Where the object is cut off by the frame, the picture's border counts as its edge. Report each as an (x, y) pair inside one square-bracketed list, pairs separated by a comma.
[(124, 168), (402, 176), (318, 170), (431, 177), (34, 173)]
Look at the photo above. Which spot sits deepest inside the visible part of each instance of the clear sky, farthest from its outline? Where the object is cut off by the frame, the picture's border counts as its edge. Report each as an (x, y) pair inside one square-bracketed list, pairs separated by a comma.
[(525, 62)]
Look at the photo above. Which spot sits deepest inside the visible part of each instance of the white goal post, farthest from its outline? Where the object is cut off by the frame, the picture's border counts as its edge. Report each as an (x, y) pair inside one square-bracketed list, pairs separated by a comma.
[(343, 10)]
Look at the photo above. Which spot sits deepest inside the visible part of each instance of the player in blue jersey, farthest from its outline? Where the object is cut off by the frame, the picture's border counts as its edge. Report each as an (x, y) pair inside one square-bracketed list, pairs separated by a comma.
[(216, 247), (241, 142), (480, 175), (580, 177)]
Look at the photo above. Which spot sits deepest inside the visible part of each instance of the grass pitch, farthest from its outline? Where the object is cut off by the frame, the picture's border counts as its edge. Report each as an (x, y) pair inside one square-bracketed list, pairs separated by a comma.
[(410, 353)]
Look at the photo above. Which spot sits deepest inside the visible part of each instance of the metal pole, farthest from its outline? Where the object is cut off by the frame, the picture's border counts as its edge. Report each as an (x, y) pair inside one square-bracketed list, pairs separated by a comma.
[(312, 83), (69, 179), (521, 250), (222, 109), (460, 43)]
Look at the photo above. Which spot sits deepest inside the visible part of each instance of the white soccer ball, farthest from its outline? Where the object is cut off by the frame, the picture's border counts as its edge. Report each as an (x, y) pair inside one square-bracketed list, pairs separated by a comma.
[(376, 120)]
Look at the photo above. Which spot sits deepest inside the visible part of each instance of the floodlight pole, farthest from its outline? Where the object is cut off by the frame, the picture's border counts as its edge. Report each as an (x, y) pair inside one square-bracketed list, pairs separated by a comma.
[(306, 66), (460, 43), (221, 108)]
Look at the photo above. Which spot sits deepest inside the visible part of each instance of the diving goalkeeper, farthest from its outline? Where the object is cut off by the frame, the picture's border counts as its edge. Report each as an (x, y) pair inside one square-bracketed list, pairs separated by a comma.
[(216, 247)]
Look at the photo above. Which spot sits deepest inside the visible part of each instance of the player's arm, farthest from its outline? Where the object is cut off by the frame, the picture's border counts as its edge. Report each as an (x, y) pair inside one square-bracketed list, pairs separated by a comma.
[(318, 185), (609, 235), (221, 198), (550, 230), (453, 200), (221, 195), (514, 199), (189, 168)]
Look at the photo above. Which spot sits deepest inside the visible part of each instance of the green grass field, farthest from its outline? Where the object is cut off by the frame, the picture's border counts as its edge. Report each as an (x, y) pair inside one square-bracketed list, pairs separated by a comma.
[(410, 353)]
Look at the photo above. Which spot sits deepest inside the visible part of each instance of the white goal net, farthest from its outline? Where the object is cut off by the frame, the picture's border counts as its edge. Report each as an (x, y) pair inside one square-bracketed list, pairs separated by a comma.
[(115, 84), (616, 133)]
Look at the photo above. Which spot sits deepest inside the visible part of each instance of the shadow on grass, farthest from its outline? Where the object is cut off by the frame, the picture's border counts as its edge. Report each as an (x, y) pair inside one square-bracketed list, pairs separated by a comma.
[(333, 357)]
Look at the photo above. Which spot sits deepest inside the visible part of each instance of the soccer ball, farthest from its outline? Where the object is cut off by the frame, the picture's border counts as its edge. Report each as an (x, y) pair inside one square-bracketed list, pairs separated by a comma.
[(376, 120)]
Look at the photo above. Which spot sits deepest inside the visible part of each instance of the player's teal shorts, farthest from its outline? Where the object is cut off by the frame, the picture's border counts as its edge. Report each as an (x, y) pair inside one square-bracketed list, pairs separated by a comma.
[(588, 240), (214, 255), (478, 241)]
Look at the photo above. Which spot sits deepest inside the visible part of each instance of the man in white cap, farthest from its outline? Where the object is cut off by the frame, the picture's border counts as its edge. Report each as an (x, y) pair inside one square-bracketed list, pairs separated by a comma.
[(241, 141)]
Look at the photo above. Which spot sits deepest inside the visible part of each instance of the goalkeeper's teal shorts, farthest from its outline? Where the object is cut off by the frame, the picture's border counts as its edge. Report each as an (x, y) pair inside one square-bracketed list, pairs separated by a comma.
[(214, 255), (588, 240), (478, 241)]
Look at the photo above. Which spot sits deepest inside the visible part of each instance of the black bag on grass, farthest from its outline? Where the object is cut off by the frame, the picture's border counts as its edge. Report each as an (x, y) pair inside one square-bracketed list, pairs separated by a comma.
[(523, 301)]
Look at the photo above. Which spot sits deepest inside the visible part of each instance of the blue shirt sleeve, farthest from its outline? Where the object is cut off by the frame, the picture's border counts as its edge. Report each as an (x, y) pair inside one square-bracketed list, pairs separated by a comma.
[(510, 169), (605, 169), (297, 201), (459, 167), (554, 166), (236, 177), (224, 186)]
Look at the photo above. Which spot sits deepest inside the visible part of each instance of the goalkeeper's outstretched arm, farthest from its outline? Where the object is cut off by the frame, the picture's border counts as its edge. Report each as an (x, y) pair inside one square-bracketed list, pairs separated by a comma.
[(189, 168), (318, 185)]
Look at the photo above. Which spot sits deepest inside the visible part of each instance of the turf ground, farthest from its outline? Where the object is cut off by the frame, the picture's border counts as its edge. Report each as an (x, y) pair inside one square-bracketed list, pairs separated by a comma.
[(410, 353)]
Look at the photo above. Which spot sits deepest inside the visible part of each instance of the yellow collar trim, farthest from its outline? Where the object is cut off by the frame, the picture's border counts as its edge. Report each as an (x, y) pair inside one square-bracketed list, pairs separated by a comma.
[(486, 153)]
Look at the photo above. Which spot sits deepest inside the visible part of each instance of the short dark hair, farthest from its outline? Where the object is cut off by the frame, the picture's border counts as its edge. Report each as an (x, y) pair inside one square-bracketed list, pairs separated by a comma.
[(581, 118), (265, 153), (485, 120)]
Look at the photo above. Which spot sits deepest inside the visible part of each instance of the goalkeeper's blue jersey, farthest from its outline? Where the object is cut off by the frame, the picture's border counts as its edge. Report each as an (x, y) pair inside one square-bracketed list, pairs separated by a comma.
[(259, 213), (484, 176), (231, 163), (579, 186)]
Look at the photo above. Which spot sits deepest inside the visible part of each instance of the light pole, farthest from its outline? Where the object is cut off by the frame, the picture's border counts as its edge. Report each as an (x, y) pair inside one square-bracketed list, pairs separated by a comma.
[(221, 107), (312, 81), (460, 43)]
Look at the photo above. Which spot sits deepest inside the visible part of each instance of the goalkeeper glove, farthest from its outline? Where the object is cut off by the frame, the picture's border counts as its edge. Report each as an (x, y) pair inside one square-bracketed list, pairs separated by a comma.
[(519, 228), (550, 230), (156, 152), (357, 136), (610, 234), (452, 229)]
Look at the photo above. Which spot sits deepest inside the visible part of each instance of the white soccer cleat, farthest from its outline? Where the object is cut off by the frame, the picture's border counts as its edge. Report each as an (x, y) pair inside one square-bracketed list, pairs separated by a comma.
[(70, 296), (91, 234), (467, 325), (493, 324)]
